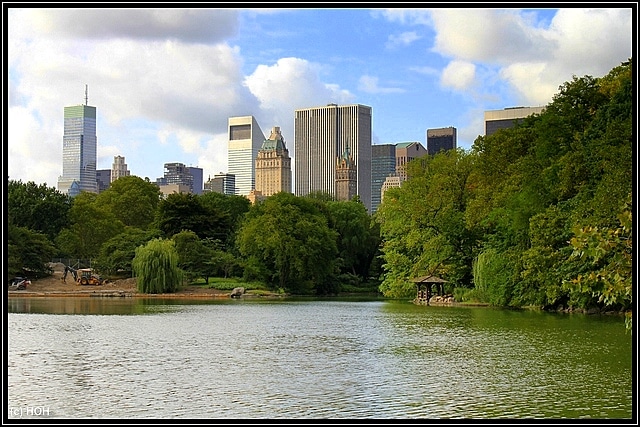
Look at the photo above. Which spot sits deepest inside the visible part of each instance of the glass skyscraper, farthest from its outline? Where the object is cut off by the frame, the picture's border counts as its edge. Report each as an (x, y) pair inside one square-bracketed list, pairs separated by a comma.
[(79, 151)]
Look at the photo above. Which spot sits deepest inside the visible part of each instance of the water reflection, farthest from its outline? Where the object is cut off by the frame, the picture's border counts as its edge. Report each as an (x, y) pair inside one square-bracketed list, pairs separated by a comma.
[(312, 359)]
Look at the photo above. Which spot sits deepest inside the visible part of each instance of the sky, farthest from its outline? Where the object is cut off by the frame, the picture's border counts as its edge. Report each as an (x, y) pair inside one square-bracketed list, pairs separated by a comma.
[(165, 81)]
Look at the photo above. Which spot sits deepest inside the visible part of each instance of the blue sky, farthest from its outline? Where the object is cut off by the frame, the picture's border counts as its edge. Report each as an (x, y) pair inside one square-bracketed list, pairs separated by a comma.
[(165, 81)]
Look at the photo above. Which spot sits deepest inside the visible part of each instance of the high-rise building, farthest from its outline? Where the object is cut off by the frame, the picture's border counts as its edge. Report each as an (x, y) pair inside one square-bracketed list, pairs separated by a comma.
[(119, 168), (79, 150), (273, 165), (321, 135), (383, 164), (346, 176), (245, 140), (221, 183), (441, 139), (184, 177), (507, 118), (103, 179), (196, 173), (406, 152)]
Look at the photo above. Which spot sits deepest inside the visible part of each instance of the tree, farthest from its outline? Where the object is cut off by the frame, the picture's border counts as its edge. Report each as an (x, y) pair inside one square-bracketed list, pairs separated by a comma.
[(156, 267), (91, 226), (609, 253), (193, 255), (288, 244), (186, 211), (117, 253), (37, 207), (29, 252), (132, 200)]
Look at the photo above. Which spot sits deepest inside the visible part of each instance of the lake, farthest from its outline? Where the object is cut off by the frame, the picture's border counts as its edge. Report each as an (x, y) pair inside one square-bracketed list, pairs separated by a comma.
[(114, 358)]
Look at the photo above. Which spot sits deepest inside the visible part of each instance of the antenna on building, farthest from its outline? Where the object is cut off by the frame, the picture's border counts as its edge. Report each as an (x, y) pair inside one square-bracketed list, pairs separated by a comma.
[(86, 94)]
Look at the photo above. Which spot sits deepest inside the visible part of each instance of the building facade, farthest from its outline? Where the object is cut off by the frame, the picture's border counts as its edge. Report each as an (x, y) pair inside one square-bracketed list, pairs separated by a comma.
[(346, 176), (495, 120), (221, 183), (185, 177), (119, 168), (383, 164), (245, 140), (79, 150), (441, 139), (273, 165), (321, 135), (103, 179), (406, 152)]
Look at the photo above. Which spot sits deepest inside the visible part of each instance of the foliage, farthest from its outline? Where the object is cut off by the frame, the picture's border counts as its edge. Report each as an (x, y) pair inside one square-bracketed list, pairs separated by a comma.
[(117, 253), (132, 200), (193, 255), (156, 267), (609, 254), (37, 207), (90, 227), (288, 244), (186, 211), (29, 253)]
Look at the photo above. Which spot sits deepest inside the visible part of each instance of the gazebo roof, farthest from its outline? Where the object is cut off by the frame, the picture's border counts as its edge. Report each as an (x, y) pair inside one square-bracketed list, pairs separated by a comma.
[(428, 279)]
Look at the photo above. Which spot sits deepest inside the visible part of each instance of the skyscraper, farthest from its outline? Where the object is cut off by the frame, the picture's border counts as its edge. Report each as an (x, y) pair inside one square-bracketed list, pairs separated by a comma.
[(245, 140), (321, 135), (383, 164), (441, 139), (79, 150), (406, 152), (183, 176), (507, 118), (346, 176), (273, 165), (119, 168)]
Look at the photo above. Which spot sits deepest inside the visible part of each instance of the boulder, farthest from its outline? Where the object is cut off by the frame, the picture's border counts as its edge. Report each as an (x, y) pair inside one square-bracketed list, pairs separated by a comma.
[(237, 292)]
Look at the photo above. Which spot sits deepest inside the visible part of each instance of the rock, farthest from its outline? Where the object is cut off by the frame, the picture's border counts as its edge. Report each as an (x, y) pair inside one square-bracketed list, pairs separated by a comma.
[(237, 292)]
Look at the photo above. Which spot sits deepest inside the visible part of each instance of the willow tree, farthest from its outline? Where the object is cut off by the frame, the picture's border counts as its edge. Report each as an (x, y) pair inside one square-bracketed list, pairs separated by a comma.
[(156, 267)]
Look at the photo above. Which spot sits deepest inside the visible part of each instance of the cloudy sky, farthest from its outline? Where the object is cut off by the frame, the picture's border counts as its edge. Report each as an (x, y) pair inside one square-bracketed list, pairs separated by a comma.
[(165, 81)]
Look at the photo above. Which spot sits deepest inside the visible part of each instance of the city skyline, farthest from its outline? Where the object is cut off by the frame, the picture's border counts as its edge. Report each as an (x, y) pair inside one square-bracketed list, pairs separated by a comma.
[(165, 81)]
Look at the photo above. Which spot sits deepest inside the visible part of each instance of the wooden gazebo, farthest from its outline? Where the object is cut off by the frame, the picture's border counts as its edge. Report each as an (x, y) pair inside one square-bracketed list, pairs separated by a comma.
[(425, 286)]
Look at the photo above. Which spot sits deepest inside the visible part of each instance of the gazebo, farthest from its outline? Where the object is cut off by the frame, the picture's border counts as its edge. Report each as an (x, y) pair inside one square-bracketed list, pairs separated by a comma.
[(425, 288)]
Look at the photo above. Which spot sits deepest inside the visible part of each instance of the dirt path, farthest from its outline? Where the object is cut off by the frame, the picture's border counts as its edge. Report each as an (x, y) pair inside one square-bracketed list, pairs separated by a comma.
[(55, 286)]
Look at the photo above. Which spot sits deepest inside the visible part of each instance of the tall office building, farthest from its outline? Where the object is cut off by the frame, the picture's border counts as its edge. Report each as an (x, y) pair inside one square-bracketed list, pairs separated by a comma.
[(79, 150), (184, 177), (406, 152), (383, 164), (321, 135), (245, 140), (441, 139), (119, 168), (507, 118), (103, 179), (273, 165), (221, 183), (197, 184)]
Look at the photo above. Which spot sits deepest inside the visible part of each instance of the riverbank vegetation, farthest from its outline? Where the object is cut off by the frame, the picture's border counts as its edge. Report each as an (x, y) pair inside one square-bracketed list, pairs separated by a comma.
[(536, 215)]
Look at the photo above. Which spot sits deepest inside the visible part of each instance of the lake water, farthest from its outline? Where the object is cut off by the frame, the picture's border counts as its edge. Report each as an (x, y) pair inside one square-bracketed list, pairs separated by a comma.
[(115, 358)]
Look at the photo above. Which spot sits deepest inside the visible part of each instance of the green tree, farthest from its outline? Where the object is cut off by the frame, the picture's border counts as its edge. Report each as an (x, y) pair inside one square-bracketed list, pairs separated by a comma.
[(609, 254), (37, 207), (193, 255), (28, 252), (155, 267), (288, 244), (91, 226), (186, 211), (132, 200), (117, 253)]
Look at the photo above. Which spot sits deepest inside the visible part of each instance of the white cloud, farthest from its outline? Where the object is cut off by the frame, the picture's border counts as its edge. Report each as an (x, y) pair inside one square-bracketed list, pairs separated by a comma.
[(403, 39), (369, 84), (458, 75)]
